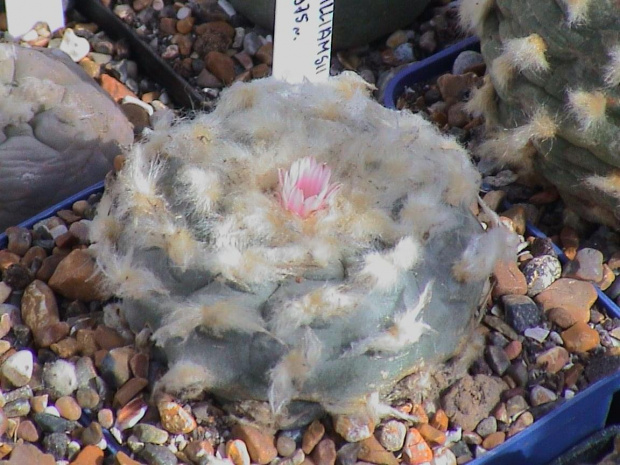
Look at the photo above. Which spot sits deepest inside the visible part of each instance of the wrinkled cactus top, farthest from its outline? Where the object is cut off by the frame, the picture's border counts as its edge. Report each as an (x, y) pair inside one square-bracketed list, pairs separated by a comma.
[(300, 242), (59, 132)]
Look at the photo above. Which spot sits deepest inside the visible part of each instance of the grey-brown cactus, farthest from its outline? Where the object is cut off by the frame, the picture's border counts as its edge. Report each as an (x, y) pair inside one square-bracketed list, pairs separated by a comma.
[(300, 245), (551, 95)]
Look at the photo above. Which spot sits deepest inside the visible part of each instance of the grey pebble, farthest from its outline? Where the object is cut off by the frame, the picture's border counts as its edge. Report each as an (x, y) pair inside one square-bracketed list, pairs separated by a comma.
[(17, 408), (466, 60), (540, 272), (404, 52), (52, 424), (521, 312), (151, 434), (500, 325), (56, 444), (519, 373), (251, 43), (347, 454), (497, 359), (158, 455), (487, 426), (587, 266), (24, 392)]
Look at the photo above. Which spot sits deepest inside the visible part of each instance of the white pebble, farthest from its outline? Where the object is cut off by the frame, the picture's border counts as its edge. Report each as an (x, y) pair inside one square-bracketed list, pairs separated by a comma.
[(136, 101), (556, 338), (183, 12), (443, 456), (74, 46), (537, 333), (30, 35), (227, 7), (568, 394), (50, 409), (17, 369), (454, 435)]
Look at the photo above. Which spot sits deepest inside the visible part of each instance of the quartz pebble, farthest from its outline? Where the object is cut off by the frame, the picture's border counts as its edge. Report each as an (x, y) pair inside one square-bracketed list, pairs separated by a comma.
[(174, 418), (354, 428), (74, 46), (392, 435), (17, 368), (541, 395)]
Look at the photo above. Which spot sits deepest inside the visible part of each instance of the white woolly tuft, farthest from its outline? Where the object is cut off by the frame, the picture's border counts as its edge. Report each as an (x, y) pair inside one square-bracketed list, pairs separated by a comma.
[(199, 188), (472, 14), (235, 314), (482, 253), (519, 54), (612, 70), (124, 278), (609, 184), (406, 330), (378, 410), (482, 102), (588, 108), (576, 11), (288, 376), (186, 379)]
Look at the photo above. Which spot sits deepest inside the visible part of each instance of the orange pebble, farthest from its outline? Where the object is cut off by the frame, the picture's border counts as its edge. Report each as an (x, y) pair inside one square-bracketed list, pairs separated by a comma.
[(418, 411), (416, 451), (440, 420), (431, 434)]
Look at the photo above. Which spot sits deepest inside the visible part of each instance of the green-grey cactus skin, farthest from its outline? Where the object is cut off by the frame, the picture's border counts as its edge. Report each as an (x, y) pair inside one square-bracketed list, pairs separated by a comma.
[(578, 88), (250, 301)]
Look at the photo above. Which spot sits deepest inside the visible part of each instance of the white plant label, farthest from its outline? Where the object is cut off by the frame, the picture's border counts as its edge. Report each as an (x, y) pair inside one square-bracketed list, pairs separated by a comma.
[(22, 15), (303, 39)]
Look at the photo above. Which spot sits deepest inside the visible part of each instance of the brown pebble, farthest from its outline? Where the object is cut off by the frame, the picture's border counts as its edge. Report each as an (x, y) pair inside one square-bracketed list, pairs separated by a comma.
[(523, 421), (285, 445), (554, 359), (39, 403), (66, 348), (18, 239), (48, 267), (105, 417), (440, 420), (197, 449), (265, 54), (115, 88), (68, 408), (7, 259), (311, 437), (89, 455), (27, 431), (185, 25), (493, 440), (221, 65), (431, 435), (87, 344), (508, 279), (108, 339), (139, 365), (261, 71), (77, 278), (168, 26), (123, 459), (27, 454), (567, 317), (261, 446), (580, 338), (87, 398), (355, 427), (513, 349), (569, 294), (324, 453), (129, 390), (372, 451), (92, 434)]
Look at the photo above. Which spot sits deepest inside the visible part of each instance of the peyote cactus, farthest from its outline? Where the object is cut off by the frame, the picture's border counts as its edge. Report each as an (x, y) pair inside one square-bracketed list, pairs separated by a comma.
[(551, 95), (301, 244), (59, 131)]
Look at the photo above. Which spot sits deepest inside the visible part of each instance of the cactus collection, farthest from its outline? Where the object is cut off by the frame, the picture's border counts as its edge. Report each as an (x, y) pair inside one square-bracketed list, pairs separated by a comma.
[(551, 95), (301, 245)]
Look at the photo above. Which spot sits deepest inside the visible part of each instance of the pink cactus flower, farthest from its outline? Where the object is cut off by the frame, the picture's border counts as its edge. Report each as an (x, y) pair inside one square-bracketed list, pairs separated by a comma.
[(305, 187)]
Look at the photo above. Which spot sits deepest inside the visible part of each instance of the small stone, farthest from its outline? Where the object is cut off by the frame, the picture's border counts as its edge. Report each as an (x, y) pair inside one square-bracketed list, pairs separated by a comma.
[(129, 390), (428, 42), (537, 333), (77, 278), (68, 408), (586, 266), (466, 60), (137, 116), (372, 451), (516, 405), (265, 54), (471, 438), (17, 408), (115, 366), (521, 312), (105, 417), (541, 395), (124, 459), (260, 444), (38, 306), (513, 349), (251, 43), (237, 452), (149, 433), (392, 435), (185, 25), (500, 413), (27, 431), (87, 344), (312, 435), (60, 378), (493, 440), (324, 452), (396, 38), (130, 414), (7, 259), (74, 46), (17, 368), (49, 423), (518, 372), (115, 88), (89, 455), (523, 421), (354, 428), (92, 434), (509, 280), (56, 444), (5, 293), (416, 451), (65, 348), (431, 435), (568, 294), (24, 454), (199, 450), (221, 65), (87, 398), (19, 240), (260, 71), (455, 88), (497, 359), (285, 446), (158, 455), (554, 359), (487, 426), (500, 326), (540, 272), (108, 339), (39, 403), (175, 419), (580, 338)]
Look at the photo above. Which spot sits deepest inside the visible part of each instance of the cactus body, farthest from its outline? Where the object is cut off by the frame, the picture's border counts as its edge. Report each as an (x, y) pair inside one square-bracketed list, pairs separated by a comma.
[(252, 301), (557, 61)]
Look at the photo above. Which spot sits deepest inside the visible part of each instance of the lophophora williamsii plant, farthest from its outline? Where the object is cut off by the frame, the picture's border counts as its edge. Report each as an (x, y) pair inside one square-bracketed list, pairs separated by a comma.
[(301, 246), (551, 94)]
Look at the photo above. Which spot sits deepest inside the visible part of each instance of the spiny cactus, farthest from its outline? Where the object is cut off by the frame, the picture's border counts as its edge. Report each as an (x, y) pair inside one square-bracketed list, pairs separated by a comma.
[(300, 245), (551, 95)]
